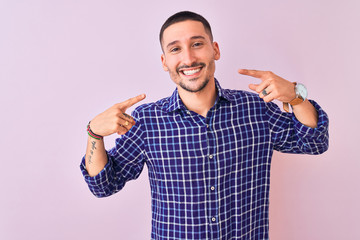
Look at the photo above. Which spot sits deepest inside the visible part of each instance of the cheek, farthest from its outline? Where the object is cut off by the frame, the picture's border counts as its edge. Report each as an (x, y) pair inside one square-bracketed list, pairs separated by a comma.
[(171, 61), (208, 56), (172, 64)]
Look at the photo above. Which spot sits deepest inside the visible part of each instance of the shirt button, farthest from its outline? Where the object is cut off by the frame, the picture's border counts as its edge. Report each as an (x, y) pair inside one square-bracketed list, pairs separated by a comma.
[(212, 188), (207, 125), (211, 156), (188, 112), (213, 219)]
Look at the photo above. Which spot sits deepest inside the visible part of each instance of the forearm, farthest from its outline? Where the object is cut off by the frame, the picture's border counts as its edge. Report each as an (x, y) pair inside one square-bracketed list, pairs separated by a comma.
[(96, 157), (306, 114)]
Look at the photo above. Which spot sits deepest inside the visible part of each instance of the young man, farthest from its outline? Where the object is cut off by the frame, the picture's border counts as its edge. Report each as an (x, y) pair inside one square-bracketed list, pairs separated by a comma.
[(208, 150)]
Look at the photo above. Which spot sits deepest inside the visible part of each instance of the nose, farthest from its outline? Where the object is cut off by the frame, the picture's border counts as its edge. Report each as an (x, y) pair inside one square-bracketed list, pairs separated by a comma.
[(188, 57)]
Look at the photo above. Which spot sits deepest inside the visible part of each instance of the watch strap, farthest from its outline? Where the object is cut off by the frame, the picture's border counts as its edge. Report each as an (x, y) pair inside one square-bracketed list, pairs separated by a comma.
[(297, 100), (286, 107)]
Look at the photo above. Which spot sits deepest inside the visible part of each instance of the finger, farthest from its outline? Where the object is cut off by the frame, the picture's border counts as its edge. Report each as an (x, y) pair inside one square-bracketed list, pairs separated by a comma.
[(122, 130), (253, 86), (266, 91), (130, 102), (268, 98), (260, 87), (125, 124), (126, 117), (252, 73)]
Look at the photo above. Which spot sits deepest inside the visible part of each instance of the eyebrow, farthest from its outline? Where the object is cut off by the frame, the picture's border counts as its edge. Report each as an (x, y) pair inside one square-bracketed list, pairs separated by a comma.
[(177, 41)]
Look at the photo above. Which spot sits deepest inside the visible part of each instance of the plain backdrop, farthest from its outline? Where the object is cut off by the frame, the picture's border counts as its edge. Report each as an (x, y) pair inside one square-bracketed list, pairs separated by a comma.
[(63, 62)]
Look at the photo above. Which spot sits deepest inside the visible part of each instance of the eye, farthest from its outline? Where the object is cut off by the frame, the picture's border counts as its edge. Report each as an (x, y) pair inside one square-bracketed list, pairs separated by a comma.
[(174, 50), (198, 44)]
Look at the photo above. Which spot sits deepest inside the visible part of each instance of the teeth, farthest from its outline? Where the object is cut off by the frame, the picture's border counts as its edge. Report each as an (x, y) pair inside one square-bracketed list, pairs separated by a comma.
[(191, 72)]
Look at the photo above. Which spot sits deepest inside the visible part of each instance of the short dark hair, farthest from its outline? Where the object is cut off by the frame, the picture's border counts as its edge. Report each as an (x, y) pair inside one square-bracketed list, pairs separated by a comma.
[(183, 16)]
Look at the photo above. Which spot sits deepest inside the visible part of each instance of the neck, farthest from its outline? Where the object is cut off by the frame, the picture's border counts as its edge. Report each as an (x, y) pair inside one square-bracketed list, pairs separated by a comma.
[(199, 102)]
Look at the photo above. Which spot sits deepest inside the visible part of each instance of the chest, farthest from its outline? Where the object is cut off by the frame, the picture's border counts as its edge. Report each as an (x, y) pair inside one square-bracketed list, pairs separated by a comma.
[(188, 142)]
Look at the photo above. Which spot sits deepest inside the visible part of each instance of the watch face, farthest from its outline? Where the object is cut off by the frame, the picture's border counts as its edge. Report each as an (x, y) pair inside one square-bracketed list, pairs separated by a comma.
[(300, 90)]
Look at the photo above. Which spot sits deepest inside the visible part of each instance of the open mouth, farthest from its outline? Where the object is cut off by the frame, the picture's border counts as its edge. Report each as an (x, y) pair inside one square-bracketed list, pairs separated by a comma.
[(191, 72)]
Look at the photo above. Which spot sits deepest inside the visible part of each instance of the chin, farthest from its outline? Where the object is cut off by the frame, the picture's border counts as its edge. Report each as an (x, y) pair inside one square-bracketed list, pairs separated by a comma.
[(199, 87)]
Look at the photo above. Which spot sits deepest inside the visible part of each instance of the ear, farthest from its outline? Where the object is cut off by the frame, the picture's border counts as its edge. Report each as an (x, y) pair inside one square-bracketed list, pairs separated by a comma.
[(216, 51), (163, 60)]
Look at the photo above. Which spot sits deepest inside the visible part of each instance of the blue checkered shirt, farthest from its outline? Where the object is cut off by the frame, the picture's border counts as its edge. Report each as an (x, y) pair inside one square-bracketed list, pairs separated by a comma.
[(210, 176)]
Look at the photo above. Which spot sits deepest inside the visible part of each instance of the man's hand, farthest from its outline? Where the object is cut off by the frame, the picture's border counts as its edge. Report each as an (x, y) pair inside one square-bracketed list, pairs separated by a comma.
[(272, 86), (278, 88), (114, 119)]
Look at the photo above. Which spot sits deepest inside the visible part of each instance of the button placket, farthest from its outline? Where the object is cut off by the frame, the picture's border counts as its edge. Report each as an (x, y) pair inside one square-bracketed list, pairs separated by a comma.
[(211, 187)]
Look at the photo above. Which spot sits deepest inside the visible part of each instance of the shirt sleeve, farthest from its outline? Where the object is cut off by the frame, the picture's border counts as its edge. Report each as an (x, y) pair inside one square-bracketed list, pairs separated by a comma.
[(125, 162), (291, 136)]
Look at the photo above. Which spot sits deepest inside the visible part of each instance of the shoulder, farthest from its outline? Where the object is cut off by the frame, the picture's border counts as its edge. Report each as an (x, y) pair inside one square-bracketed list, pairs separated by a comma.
[(241, 96), (249, 100), (152, 108)]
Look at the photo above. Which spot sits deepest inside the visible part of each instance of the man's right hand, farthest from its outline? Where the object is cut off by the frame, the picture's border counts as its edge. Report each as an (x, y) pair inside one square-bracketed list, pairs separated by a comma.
[(114, 119)]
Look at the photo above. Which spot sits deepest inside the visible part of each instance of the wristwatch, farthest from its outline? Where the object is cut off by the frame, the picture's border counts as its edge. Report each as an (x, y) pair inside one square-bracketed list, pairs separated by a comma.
[(301, 95)]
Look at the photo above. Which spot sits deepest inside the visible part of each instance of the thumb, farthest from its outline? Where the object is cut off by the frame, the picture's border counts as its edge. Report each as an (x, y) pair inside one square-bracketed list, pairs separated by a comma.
[(131, 101)]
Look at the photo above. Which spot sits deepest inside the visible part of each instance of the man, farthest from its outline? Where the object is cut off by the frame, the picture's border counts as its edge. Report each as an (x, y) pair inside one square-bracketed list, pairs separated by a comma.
[(208, 150)]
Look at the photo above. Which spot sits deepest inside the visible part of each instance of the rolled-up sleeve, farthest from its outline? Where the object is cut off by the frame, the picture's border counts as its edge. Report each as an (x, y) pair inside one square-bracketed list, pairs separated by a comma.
[(100, 185), (125, 162), (291, 136)]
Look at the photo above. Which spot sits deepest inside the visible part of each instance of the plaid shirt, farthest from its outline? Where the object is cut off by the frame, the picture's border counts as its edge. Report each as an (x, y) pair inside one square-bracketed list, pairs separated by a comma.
[(209, 176)]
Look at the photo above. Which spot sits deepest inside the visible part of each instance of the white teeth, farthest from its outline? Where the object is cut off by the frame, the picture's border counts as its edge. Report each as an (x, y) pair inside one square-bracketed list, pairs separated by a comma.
[(191, 72)]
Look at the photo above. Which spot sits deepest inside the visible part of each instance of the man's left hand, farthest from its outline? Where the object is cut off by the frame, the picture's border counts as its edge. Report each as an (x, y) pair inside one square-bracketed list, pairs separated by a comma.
[(271, 86)]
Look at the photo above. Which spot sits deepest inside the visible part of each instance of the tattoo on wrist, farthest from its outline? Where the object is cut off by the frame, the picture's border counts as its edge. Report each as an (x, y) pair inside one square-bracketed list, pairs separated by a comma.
[(92, 151), (93, 145)]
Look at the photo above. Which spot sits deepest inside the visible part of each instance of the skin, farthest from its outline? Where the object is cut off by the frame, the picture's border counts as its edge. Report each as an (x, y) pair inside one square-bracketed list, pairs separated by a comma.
[(187, 47), (284, 91), (113, 120)]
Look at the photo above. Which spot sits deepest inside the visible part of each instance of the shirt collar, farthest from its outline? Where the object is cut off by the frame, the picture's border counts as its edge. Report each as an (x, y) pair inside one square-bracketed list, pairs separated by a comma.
[(175, 102)]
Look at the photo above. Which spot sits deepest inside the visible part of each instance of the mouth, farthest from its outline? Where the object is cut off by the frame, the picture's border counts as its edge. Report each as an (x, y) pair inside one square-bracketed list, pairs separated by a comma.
[(191, 71)]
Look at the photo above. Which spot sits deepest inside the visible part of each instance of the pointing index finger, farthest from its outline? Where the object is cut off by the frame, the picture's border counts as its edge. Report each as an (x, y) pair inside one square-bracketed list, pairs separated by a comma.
[(131, 101), (252, 73)]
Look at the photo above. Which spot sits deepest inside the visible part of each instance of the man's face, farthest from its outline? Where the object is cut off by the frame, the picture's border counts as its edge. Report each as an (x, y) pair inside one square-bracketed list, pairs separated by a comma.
[(189, 55)]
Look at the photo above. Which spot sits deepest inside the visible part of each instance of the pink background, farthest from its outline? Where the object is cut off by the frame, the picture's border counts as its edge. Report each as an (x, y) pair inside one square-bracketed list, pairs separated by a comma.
[(63, 62)]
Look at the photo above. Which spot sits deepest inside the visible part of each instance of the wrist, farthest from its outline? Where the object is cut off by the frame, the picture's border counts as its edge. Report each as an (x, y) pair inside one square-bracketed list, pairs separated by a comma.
[(92, 134), (300, 96)]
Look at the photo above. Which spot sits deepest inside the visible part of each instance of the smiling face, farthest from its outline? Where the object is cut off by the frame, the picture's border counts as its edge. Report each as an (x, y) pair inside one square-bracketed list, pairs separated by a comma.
[(189, 55)]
